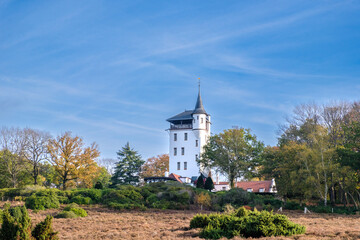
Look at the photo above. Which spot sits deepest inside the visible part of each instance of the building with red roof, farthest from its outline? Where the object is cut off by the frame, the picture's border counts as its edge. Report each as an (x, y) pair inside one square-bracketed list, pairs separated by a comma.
[(250, 186)]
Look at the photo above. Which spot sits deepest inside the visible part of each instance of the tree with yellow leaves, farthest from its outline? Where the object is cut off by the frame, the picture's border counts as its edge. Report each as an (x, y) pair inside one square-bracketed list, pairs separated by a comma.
[(73, 162)]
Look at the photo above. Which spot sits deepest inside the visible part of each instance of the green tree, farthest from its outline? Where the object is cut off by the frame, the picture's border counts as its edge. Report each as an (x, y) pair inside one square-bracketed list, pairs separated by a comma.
[(200, 182), (103, 177), (209, 184), (234, 153), (128, 167), (286, 165)]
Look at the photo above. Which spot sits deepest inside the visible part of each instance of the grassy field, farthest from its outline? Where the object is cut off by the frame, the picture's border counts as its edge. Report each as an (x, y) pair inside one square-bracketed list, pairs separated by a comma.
[(103, 223)]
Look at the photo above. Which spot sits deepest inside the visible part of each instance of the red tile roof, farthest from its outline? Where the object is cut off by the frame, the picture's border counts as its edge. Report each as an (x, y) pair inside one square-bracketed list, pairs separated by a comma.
[(176, 177), (254, 185)]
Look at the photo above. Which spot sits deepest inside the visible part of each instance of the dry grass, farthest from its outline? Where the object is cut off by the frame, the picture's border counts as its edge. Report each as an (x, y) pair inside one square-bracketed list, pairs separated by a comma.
[(155, 224)]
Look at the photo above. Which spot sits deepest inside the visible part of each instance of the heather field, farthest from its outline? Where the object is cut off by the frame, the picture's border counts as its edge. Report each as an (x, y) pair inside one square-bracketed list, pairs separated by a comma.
[(103, 223)]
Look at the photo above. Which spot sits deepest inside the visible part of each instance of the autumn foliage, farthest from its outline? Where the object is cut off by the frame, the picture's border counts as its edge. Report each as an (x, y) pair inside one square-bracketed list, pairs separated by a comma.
[(74, 163), (156, 166)]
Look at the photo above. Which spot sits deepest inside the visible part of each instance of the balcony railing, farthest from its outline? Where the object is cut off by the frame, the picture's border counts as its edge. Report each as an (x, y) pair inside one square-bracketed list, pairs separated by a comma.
[(181, 126)]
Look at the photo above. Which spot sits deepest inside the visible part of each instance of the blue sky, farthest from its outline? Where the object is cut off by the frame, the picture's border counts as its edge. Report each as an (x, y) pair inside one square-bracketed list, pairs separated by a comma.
[(113, 71)]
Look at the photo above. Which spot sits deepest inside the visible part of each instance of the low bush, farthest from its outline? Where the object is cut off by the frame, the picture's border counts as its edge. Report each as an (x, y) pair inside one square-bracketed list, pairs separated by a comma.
[(76, 209), (9, 193), (128, 206), (28, 190), (81, 200), (36, 202), (66, 214), (236, 197), (99, 185), (44, 230), (200, 221), (245, 223), (291, 205), (95, 195), (203, 200), (330, 209)]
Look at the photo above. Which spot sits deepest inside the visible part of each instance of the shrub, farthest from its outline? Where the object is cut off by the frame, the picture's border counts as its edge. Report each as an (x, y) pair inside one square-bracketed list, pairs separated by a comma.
[(73, 207), (128, 206), (203, 199), (236, 197), (241, 212), (245, 223), (79, 212), (228, 209), (42, 202), (44, 231), (209, 232), (16, 224), (9, 193), (81, 200), (291, 205), (66, 214), (199, 221), (94, 195), (1, 215), (98, 185), (28, 190)]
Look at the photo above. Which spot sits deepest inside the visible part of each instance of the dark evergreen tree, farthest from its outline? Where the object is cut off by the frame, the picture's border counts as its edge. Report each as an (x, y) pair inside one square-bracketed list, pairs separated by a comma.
[(209, 184), (200, 182), (127, 168), (44, 230)]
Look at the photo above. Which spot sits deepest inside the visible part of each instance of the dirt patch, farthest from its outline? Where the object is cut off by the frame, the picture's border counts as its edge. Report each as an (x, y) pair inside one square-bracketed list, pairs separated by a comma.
[(103, 223)]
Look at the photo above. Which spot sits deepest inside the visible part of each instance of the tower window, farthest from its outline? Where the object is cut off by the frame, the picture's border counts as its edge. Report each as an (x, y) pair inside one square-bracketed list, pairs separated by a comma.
[(202, 120), (196, 157), (196, 143), (175, 136), (178, 165), (185, 165), (185, 136), (182, 151), (175, 151), (197, 117)]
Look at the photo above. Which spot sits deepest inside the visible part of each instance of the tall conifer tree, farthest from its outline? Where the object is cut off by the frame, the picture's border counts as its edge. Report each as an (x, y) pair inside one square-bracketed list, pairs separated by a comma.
[(128, 167), (209, 184)]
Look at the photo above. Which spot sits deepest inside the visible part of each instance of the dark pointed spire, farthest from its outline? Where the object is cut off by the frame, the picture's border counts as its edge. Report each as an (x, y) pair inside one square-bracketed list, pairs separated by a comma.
[(199, 108)]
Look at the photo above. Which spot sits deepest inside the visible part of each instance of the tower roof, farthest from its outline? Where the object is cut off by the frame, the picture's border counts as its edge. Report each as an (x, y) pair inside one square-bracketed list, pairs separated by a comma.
[(199, 108)]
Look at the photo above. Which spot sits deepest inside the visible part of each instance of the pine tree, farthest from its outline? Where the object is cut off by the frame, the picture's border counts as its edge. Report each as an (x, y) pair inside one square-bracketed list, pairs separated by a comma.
[(209, 184), (200, 182), (128, 167)]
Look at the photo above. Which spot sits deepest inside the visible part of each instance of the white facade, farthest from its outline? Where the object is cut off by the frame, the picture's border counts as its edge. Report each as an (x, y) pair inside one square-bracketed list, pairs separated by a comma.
[(188, 133)]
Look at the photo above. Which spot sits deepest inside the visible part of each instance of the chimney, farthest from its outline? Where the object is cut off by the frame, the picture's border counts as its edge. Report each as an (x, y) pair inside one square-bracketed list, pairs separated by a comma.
[(217, 179)]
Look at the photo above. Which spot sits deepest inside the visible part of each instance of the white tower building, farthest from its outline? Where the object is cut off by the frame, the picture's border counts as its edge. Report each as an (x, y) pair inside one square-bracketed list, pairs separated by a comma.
[(189, 131)]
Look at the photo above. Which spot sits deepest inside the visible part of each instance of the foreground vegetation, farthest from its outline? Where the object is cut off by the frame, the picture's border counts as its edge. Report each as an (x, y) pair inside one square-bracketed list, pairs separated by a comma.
[(103, 223), (246, 223), (169, 195)]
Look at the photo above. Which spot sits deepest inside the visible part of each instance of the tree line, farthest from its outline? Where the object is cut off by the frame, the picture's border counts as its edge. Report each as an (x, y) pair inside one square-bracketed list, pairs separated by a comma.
[(33, 157), (317, 156)]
